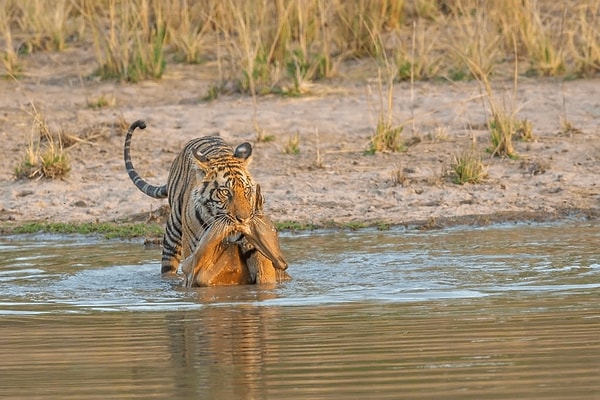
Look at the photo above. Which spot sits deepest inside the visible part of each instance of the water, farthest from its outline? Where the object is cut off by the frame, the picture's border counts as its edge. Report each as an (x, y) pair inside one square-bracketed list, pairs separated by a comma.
[(464, 313)]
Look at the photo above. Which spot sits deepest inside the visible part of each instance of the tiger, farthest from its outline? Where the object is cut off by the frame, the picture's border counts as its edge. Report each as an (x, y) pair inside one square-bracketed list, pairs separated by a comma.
[(208, 188)]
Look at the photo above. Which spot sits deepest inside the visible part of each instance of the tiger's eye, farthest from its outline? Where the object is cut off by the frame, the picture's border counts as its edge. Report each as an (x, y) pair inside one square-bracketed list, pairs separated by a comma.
[(224, 192)]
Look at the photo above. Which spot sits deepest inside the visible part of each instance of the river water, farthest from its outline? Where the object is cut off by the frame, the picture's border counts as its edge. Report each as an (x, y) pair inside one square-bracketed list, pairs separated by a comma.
[(501, 312)]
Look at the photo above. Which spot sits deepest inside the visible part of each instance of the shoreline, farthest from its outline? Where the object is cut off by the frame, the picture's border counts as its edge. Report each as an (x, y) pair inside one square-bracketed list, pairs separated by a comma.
[(132, 228)]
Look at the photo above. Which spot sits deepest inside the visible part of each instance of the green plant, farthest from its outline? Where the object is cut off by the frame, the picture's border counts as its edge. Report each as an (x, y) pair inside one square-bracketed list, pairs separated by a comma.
[(300, 70), (468, 167), (387, 137), (524, 130), (427, 9), (358, 22), (501, 127), (101, 101), (305, 40), (293, 145), (538, 33), (478, 40), (383, 226), (503, 123), (294, 226), (355, 225), (546, 60), (45, 157), (567, 128), (43, 161), (212, 93), (319, 158), (109, 230)]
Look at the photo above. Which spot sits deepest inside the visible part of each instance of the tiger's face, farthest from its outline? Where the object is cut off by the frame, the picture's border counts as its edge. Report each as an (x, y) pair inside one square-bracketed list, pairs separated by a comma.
[(227, 195)]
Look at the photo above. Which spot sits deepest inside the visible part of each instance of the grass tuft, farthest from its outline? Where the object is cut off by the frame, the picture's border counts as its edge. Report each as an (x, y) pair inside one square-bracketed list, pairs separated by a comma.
[(44, 157), (468, 167), (387, 137), (293, 145), (502, 128), (101, 101)]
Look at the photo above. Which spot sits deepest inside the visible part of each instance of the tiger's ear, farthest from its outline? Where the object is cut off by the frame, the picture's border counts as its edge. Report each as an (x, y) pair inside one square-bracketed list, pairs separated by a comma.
[(243, 151), (201, 159)]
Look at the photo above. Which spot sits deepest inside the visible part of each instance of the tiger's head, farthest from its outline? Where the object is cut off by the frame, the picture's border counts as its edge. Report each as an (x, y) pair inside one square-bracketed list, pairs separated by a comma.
[(227, 195)]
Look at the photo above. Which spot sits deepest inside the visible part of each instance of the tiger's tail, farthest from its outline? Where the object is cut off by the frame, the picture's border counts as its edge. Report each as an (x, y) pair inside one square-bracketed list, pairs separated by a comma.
[(158, 192)]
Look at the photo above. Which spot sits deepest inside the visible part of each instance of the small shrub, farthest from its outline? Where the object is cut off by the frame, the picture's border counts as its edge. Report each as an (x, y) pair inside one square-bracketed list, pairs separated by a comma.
[(524, 130), (502, 127), (101, 101), (567, 128), (45, 157), (468, 167), (501, 131), (387, 137), (293, 145), (43, 161), (212, 93), (399, 178)]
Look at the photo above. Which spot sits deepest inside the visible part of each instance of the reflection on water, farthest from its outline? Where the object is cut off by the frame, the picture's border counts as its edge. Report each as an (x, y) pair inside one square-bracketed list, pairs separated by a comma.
[(500, 312)]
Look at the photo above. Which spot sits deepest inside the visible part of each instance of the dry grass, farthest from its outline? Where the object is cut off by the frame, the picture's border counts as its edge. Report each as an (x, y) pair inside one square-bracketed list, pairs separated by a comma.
[(293, 145), (44, 156), (280, 46), (503, 123), (11, 63), (399, 177), (468, 167), (387, 137), (103, 100), (132, 47)]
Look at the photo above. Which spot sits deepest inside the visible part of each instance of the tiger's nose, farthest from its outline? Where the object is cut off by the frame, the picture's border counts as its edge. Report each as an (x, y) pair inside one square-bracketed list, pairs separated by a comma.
[(242, 218)]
